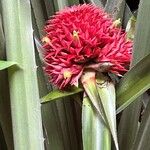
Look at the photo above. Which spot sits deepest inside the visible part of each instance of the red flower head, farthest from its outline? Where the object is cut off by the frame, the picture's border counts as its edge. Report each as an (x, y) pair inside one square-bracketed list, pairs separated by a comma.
[(80, 37)]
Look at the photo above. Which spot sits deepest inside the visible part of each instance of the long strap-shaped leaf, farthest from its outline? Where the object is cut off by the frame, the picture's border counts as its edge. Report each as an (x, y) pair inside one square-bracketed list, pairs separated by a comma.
[(60, 4), (57, 94), (143, 136), (134, 83), (115, 8), (129, 121), (99, 99), (95, 134), (107, 95), (100, 3), (6, 64), (6, 124), (24, 94)]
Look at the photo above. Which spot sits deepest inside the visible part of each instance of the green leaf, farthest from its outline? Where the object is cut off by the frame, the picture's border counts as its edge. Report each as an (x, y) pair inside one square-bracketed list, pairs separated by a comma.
[(60, 4), (24, 93), (107, 95), (2, 40), (56, 94), (126, 16), (95, 134), (100, 3), (5, 112), (89, 83), (129, 122), (137, 79), (6, 64), (48, 7), (99, 98), (143, 136), (115, 8), (38, 14), (130, 29), (73, 2), (142, 39)]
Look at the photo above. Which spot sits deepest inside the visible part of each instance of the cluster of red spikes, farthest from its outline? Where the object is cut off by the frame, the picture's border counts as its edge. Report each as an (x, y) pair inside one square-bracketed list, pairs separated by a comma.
[(80, 37)]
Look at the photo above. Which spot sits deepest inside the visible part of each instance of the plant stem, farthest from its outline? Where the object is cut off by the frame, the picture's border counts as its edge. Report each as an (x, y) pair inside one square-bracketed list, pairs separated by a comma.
[(95, 134)]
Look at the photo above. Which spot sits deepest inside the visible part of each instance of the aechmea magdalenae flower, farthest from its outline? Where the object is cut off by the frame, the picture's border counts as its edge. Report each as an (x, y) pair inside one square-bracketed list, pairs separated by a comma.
[(80, 37)]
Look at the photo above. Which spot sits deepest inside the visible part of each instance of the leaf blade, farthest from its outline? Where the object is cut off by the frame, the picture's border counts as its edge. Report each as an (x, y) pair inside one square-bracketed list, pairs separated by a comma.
[(25, 105), (89, 83), (100, 138), (98, 98), (6, 64), (129, 128), (138, 77), (107, 95), (56, 94), (143, 136), (100, 3)]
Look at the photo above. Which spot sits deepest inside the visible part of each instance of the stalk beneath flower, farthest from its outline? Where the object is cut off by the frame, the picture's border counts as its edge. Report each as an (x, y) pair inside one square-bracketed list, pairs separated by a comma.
[(95, 134), (89, 83), (101, 93), (106, 90)]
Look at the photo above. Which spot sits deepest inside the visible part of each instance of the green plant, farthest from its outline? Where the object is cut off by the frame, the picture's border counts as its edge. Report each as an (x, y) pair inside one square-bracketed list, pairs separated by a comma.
[(63, 112)]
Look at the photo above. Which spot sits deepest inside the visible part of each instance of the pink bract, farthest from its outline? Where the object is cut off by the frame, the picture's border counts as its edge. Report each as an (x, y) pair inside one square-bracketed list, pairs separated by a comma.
[(82, 36)]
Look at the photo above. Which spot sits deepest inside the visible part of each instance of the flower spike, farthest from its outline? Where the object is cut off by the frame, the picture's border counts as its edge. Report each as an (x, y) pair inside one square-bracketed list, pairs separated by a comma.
[(80, 37)]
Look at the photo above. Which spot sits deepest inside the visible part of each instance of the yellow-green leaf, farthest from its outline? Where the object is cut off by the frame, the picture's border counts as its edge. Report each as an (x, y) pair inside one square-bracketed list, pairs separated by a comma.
[(133, 84), (95, 134), (6, 64), (56, 94)]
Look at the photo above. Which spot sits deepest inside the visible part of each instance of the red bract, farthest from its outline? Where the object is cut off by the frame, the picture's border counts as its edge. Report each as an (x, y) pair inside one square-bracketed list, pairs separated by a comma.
[(80, 37)]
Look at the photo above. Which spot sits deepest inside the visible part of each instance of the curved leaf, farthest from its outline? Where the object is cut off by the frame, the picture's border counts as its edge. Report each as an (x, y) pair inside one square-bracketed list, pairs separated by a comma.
[(6, 64), (56, 94), (129, 122), (134, 83), (107, 95), (100, 98)]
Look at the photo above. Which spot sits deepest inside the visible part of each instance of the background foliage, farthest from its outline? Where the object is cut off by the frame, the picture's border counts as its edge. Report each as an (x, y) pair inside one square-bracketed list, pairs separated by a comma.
[(21, 24)]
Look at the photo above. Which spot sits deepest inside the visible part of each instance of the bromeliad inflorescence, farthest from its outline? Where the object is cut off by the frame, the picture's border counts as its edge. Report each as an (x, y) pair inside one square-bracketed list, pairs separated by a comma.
[(81, 37)]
